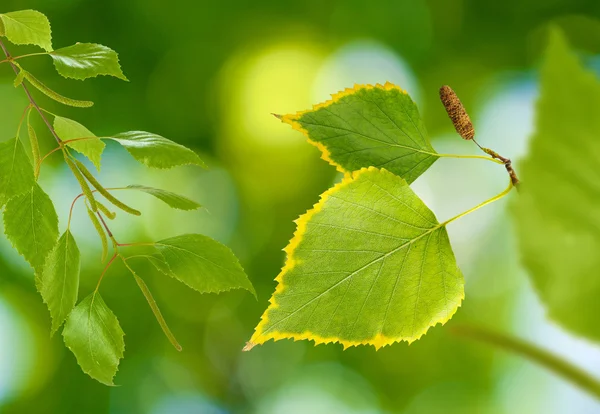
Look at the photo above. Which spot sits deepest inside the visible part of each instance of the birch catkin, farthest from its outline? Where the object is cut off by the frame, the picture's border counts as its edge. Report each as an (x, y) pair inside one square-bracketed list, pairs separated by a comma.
[(457, 113)]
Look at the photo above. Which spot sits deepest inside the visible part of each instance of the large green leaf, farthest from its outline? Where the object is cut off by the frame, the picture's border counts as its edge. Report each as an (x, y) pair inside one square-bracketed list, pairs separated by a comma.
[(31, 225), (16, 172), (369, 264), (92, 146), (27, 27), (172, 199), (366, 126), (59, 283), (156, 151), (557, 211), (203, 264), (87, 60), (92, 332)]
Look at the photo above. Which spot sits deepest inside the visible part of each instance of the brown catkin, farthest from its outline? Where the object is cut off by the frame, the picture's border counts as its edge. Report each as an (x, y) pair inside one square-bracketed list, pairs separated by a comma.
[(457, 113)]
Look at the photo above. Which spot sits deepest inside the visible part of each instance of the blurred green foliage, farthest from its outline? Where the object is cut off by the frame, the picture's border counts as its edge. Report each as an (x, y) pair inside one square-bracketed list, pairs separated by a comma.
[(208, 75)]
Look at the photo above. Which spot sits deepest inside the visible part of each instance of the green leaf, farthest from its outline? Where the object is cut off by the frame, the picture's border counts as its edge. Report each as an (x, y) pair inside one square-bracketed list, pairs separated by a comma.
[(92, 332), (27, 27), (155, 151), (87, 60), (366, 126), (174, 200), (60, 279), (16, 172), (203, 264), (557, 227), (92, 146), (55, 95), (31, 225), (35, 147), (369, 264)]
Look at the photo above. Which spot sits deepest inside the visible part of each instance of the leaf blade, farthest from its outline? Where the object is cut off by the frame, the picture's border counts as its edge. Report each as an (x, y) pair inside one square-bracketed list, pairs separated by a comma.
[(92, 146), (172, 199), (31, 225), (556, 225), (368, 250), (27, 27), (366, 126), (203, 264), (155, 151), (16, 171), (92, 332), (60, 279), (87, 60)]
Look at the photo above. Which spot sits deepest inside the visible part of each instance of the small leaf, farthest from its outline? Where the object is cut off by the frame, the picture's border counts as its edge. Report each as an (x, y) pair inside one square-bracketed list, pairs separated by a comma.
[(55, 95), (87, 60), (91, 146), (368, 265), (60, 279), (366, 126), (27, 27), (16, 172), (203, 264), (174, 200), (31, 225), (92, 332), (557, 209), (155, 151)]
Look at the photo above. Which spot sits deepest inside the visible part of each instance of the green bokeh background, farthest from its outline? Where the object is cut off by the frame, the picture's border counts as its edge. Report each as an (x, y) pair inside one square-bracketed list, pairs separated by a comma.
[(208, 75)]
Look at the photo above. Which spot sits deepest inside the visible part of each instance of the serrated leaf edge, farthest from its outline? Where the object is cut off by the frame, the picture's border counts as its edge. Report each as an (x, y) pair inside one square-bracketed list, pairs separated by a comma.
[(33, 44), (378, 341), (218, 292), (122, 77), (292, 119)]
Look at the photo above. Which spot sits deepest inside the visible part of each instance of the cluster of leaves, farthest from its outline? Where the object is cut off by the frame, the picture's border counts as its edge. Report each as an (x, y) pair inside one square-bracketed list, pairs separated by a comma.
[(91, 330), (369, 263)]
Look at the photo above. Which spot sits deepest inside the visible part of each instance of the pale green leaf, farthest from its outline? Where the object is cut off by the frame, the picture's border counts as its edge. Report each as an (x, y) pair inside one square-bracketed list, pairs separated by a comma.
[(31, 225), (55, 95), (366, 126), (92, 332), (87, 143), (203, 264), (87, 60), (60, 279), (557, 211), (16, 172), (155, 151), (368, 265), (172, 199), (27, 27)]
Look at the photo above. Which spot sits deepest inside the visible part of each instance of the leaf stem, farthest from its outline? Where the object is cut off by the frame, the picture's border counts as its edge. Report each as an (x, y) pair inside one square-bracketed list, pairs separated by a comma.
[(13, 58), (554, 363), (31, 100), (110, 262), (480, 157), (478, 206)]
